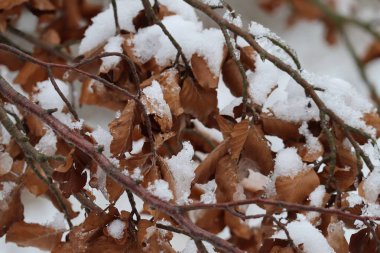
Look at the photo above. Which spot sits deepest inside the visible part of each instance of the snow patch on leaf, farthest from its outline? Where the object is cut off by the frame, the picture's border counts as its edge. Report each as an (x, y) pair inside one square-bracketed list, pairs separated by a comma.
[(48, 143), (116, 229), (160, 189), (302, 232), (151, 42), (182, 168), (288, 163), (208, 197), (113, 46)]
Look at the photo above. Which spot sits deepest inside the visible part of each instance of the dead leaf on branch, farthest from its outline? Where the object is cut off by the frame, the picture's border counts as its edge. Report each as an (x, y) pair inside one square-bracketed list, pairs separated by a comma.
[(11, 209), (34, 235), (296, 189), (197, 101), (121, 129)]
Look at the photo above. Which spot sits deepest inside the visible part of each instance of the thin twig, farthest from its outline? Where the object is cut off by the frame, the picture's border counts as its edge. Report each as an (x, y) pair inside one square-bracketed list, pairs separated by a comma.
[(115, 15)]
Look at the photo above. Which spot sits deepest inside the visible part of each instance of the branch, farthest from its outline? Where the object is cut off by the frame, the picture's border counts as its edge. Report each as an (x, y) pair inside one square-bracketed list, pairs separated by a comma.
[(128, 183)]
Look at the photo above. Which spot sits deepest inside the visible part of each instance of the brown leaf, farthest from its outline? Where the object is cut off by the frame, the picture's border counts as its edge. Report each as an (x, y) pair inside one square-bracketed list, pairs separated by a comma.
[(238, 138), (256, 148), (68, 163), (80, 236), (3, 23), (336, 239), (169, 84), (298, 188), (211, 220), (372, 52), (208, 166), (33, 183), (202, 73), (228, 189), (71, 181), (11, 209), (34, 235), (9, 4), (226, 179), (151, 240), (42, 5), (232, 77), (198, 102), (373, 120), (247, 57), (121, 130), (281, 128), (225, 126)]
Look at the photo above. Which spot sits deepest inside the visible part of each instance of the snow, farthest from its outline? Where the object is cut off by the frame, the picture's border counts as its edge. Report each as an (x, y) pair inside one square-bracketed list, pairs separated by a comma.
[(371, 185), (341, 97), (57, 222), (155, 98), (316, 199), (48, 98), (191, 247), (212, 2), (151, 42), (6, 162), (312, 142), (302, 232), (160, 189), (6, 190), (288, 163), (279, 94), (254, 209), (208, 132), (103, 24), (276, 143), (258, 30), (353, 199), (229, 16), (116, 229), (208, 197), (137, 176), (113, 46), (229, 108), (48, 143), (181, 8), (103, 137), (182, 168)]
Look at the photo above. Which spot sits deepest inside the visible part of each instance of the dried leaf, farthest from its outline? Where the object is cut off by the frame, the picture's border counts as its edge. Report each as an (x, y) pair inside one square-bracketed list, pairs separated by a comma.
[(298, 188), (336, 239), (42, 5), (208, 166), (238, 138), (247, 57), (121, 129), (256, 148), (11, 209), (34, 235), (232, 77), (202, 73), (281, 128), (169, 84), (198, 102), (9, 4), (372, 52)]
